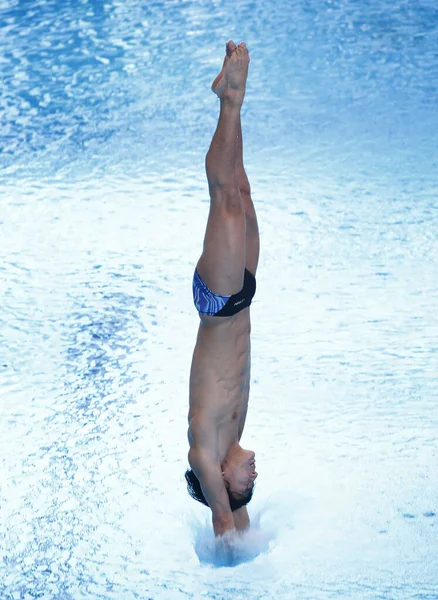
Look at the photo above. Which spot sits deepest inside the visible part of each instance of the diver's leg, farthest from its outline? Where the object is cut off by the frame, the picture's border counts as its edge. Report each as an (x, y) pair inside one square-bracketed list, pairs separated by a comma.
[(252, 230), (222, 263)]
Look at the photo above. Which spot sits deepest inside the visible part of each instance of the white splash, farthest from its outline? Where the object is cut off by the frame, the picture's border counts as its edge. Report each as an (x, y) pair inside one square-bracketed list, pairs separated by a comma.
[(232, 548)]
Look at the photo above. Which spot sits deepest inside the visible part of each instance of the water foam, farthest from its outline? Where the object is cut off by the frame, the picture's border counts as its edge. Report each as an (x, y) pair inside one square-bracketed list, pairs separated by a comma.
[(232, 548)]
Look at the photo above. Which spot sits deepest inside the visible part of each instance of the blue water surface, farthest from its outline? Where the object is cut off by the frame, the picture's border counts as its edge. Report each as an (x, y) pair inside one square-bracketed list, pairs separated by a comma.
[(106, 116)]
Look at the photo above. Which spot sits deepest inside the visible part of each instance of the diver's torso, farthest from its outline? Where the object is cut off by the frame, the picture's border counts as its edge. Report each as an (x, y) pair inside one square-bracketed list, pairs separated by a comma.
[(219, 382)]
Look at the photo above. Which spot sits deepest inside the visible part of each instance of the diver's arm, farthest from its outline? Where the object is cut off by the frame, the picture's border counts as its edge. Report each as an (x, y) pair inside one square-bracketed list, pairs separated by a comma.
[(241, 519), (212, 483)]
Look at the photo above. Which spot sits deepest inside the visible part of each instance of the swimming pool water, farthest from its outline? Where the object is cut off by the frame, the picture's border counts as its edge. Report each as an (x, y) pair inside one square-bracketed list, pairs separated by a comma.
[(106, 118)]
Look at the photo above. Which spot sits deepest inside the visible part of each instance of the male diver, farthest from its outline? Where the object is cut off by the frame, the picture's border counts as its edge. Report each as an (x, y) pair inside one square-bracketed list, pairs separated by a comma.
[(222, 473)]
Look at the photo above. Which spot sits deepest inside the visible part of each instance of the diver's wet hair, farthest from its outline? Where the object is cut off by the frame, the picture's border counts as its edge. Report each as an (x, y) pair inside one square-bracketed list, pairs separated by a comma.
[(195, 491)]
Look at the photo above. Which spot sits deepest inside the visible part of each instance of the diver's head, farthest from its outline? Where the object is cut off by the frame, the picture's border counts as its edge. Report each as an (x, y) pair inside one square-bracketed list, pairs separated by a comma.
[(238, 471)]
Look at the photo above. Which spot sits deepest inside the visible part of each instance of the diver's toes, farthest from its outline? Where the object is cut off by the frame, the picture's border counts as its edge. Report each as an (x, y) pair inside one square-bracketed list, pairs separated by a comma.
[(230, 47)]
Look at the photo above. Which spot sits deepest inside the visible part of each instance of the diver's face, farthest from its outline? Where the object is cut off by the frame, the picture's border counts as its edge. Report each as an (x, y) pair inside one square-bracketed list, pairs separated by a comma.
[(242, 474)]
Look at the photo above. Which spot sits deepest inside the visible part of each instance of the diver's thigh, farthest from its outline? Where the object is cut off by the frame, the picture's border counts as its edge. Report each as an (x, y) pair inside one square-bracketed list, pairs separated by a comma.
[(222, 263)]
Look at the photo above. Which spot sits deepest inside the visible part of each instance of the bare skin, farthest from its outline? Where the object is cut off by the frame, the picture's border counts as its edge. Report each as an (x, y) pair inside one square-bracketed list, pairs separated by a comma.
[(220, 373)]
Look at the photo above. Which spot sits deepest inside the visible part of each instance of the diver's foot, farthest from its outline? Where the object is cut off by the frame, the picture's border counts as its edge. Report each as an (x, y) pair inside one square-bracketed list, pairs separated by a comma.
[(231, 81), (229, 49)]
